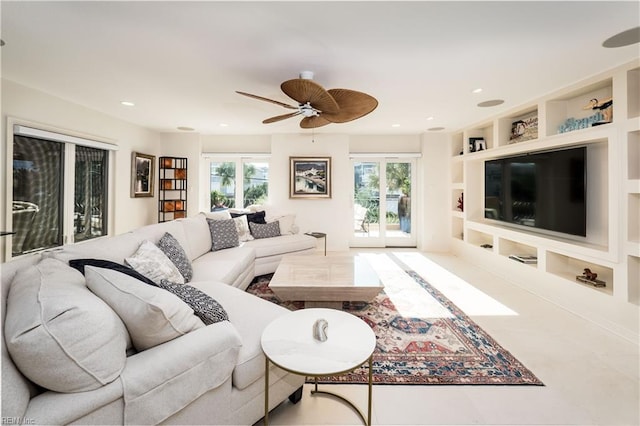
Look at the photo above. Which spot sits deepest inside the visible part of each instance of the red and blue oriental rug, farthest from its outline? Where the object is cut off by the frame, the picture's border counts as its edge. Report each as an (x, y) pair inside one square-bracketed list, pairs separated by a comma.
[(447, 349)]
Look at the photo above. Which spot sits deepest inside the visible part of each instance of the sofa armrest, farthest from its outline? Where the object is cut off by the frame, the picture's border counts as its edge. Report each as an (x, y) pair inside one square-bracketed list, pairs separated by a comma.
[(162, 380)]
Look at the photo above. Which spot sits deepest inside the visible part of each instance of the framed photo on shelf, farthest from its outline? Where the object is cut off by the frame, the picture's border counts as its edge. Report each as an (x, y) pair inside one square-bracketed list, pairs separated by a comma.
[(142, 175), (310, 177), (477, 144), (524, 128)]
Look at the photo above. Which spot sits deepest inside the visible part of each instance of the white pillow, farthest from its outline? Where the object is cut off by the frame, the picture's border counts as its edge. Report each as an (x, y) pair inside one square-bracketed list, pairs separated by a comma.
[(60, 335), (242, 226), (219, 215), (287, 224), (152, 315), (151, 262)]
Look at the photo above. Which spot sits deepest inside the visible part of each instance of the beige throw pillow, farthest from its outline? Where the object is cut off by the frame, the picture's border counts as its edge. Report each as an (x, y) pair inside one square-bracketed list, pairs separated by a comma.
[(59, 334), (151, 262), (152, 315)]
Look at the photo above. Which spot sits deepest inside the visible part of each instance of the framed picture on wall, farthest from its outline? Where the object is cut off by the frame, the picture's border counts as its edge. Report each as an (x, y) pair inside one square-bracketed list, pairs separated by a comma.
[(310, 177), (142, 175)]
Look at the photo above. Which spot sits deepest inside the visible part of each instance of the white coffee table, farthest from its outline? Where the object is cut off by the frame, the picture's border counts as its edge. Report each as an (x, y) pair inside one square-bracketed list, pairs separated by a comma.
[(288, 342), (325, 281)]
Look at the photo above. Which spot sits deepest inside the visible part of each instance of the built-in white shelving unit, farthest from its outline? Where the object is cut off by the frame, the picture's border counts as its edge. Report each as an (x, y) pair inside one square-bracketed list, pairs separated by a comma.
[(612, 246)]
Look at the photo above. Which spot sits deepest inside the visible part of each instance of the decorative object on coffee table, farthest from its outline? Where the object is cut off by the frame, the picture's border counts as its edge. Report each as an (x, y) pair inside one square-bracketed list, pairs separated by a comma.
[(320, 330)]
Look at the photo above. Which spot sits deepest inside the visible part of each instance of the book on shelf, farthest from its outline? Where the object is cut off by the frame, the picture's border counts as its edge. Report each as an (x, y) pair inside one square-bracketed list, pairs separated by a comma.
[(524, 258)]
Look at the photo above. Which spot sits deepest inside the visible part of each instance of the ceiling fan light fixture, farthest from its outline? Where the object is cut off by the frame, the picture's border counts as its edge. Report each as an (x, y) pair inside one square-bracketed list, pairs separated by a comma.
[(306, 75), (318, 106)]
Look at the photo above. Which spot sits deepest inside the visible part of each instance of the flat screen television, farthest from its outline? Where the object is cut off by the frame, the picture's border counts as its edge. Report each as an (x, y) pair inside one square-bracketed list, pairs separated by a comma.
[(541, 190)]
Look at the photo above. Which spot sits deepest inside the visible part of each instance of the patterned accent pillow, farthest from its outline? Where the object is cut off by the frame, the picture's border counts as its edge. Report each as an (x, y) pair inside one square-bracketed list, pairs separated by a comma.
[(174, 251), (242, 226), (151, 262), (223, 234), (268, 230), (203, 305)]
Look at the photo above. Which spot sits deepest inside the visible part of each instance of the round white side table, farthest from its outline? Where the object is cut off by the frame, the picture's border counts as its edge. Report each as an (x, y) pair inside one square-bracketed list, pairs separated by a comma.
[(288, 343)]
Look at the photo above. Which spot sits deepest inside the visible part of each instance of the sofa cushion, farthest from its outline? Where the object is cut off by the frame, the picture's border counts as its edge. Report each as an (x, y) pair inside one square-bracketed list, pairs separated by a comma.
[(282, 245), (176, 254), (152, 315), (250, 363), (198, 235), (50, 311), (224, 265), (79, 264), (218, 215), (287, 224), (268, 230), (204, 306), (151, 262), (242, 226), (115, 248), (223, 234)]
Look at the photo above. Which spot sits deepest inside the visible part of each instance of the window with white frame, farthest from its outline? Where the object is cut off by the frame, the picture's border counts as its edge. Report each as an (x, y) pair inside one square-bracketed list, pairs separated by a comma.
[(237, 182), (60, 189)]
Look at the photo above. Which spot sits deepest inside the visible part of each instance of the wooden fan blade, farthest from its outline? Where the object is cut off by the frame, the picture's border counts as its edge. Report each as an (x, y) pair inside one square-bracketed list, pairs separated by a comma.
[(352, 104), (267, 100), (313, 122), (303, 91), (280, 117)]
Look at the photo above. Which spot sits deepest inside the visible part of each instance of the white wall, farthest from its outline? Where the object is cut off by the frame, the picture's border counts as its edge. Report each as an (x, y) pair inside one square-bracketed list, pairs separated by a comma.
[(433, 185), (36, 107), (334, 215)]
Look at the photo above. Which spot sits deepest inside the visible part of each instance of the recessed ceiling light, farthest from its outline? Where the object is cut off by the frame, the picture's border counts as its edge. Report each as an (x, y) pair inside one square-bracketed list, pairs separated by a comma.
[(435, 129), (127, 103), (224, 125), (185, 128), (430, 118), (625, 38), (478, 90), (491, 103), (395, 125)]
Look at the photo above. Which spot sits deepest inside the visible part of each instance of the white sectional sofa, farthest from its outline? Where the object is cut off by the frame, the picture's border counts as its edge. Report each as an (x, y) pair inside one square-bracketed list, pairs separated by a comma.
[(213, 374)]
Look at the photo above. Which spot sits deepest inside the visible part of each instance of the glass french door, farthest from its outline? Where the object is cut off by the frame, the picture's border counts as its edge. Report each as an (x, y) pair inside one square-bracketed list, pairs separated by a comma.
[(382, 202)]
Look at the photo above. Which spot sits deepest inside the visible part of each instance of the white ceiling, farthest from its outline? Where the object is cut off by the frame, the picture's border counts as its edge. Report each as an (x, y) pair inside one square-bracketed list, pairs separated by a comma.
[(181, 62)]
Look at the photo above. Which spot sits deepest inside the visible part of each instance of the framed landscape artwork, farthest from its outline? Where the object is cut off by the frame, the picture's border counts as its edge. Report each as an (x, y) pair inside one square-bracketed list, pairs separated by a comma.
[(310, 177), (142, 175)]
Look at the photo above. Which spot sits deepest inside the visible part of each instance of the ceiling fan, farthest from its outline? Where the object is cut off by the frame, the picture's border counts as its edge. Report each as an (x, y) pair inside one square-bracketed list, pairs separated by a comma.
[(318, 106)]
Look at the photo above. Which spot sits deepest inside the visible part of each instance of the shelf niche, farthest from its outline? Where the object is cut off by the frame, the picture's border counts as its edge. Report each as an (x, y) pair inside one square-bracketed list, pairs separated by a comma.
[(478, 238), (570, 267), (572, 105), (518, 127)]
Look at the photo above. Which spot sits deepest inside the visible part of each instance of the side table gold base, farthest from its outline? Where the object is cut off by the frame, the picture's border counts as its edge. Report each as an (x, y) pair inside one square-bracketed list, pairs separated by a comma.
[(315, 391)]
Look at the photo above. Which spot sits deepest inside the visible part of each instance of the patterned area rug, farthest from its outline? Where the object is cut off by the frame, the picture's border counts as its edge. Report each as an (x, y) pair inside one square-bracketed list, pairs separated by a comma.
[(449, 349)]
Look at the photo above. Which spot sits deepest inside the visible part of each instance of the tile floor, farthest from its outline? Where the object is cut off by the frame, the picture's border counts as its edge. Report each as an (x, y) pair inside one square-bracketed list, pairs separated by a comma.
[(591, 376)]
